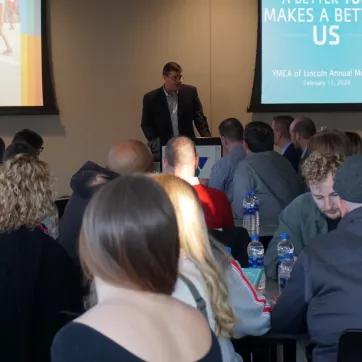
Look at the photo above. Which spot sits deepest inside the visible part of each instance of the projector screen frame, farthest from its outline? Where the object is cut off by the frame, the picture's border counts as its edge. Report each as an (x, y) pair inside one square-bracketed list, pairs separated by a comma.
[(255, 103), (49, 106)]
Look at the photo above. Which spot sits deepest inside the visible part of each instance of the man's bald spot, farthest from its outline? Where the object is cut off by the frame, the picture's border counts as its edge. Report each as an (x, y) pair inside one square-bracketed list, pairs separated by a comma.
[(180, 151), (130, 157)]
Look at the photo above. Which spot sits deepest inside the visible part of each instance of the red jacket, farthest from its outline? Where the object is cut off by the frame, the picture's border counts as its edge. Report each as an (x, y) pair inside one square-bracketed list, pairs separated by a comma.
[(216, 206)]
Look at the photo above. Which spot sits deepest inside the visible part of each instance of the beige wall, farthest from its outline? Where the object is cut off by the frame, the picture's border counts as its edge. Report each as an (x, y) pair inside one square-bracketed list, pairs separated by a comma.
[(105, 57)]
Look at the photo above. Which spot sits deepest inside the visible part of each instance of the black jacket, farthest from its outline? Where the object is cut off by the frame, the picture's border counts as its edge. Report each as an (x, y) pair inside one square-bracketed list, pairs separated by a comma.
[(71, 222), (156, 120), (293, 155), (301, 162), (37, 280), (324, 289)]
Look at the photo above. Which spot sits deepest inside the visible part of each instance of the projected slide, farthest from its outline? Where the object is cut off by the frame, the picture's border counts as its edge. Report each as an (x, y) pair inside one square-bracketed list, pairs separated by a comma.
[(20, 53), (311, 51)]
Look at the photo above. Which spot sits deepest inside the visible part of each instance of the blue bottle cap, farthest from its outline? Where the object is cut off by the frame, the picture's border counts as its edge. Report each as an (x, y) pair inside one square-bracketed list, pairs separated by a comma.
[(228, 249), (254, 237), (284, 236)]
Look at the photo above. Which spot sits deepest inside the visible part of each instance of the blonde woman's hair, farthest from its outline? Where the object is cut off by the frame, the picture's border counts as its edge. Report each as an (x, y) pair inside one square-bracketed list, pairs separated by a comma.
[(195, 245), (26, 193)]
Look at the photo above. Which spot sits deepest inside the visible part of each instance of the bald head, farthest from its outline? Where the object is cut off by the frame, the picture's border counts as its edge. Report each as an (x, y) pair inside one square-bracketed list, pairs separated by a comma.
[(181, 153), (130, 157), (301, 130)]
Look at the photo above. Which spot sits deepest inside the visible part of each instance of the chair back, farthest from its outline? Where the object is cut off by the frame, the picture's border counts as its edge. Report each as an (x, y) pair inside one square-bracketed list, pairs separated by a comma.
[(61, 204), (350, 346), (237, 239)]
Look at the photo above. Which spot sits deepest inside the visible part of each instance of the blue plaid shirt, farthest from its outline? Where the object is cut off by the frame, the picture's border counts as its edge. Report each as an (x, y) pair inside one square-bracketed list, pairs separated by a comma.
[(222, 173)]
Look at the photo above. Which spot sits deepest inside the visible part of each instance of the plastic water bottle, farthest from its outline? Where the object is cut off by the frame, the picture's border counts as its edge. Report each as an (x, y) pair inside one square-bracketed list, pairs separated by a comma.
[(256, 257), (285, 268), (256, 212), (248, 217), (285, 249)]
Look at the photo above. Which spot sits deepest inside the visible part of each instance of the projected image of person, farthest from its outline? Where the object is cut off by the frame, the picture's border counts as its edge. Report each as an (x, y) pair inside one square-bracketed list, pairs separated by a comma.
[(12, 13), (8, 50)]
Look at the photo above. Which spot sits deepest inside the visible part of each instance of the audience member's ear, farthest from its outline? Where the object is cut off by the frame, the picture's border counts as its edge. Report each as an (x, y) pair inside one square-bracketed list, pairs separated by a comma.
[(342, 207), (196, 162), (277, 135), (245, 145), (99, 179), (164, 164)]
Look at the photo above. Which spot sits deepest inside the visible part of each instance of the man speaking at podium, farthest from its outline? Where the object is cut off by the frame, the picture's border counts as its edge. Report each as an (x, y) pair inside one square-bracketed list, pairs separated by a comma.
[(170, 111)]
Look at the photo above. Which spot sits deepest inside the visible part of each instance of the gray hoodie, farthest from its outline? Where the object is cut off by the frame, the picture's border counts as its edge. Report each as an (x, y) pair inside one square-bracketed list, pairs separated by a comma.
[(276, 184)]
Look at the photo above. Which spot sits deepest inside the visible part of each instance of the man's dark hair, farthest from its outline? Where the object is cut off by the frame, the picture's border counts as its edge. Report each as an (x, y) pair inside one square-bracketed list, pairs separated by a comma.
[(172, 66), (305, 127), (259, 137), (180, 151), (30, 137), (232, 129), (282, 124), (17, 148)]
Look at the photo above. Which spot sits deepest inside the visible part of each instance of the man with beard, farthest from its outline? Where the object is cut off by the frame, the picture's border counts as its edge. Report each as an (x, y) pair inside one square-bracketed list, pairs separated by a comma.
[(310, 214)]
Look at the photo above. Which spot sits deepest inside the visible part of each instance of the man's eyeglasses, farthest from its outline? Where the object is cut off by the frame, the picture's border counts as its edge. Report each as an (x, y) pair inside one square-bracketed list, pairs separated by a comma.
[(176, 78)]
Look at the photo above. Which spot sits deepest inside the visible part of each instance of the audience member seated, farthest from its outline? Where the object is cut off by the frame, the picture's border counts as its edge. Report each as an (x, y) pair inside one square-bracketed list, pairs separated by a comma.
[(281, 125), (356, 142), (30, 137), (124, 158), (233, 308), (130, 248), (301, 130), (23, 148), (181, 160), (312, 213), (323, 289), (330, 141), (222, 173), (37, 276), (268, 173)]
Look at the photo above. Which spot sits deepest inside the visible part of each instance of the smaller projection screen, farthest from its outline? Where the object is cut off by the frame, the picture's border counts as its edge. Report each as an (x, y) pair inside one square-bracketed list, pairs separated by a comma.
[(25, 80), (308, 56)]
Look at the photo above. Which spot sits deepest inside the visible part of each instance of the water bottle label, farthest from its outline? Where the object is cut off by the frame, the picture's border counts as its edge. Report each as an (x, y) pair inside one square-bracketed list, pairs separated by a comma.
[(283, 282), (280, 259), (289, 256), (256, 262)]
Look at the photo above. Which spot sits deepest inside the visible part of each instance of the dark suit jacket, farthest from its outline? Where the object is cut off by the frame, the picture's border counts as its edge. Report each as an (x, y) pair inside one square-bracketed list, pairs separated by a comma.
[(156, 120), (293, 155)]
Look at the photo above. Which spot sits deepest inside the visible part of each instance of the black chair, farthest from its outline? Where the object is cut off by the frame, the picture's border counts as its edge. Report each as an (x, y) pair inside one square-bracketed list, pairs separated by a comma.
[(61, 204), (237, 239), (350, 346)]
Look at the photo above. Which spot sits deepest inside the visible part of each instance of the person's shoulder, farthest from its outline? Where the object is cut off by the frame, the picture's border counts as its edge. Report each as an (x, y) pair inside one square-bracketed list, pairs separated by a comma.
[(188, 88), (304, 201), (301, 205), (216, 193), (152, 94), (323, 242)]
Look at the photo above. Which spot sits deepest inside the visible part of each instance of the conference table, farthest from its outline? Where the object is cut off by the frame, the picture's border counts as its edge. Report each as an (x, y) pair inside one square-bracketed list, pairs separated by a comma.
[(271, 347)]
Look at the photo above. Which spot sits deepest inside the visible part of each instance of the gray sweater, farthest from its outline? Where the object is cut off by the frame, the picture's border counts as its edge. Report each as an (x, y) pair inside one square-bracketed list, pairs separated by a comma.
[(273, 178), (302, 221)]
